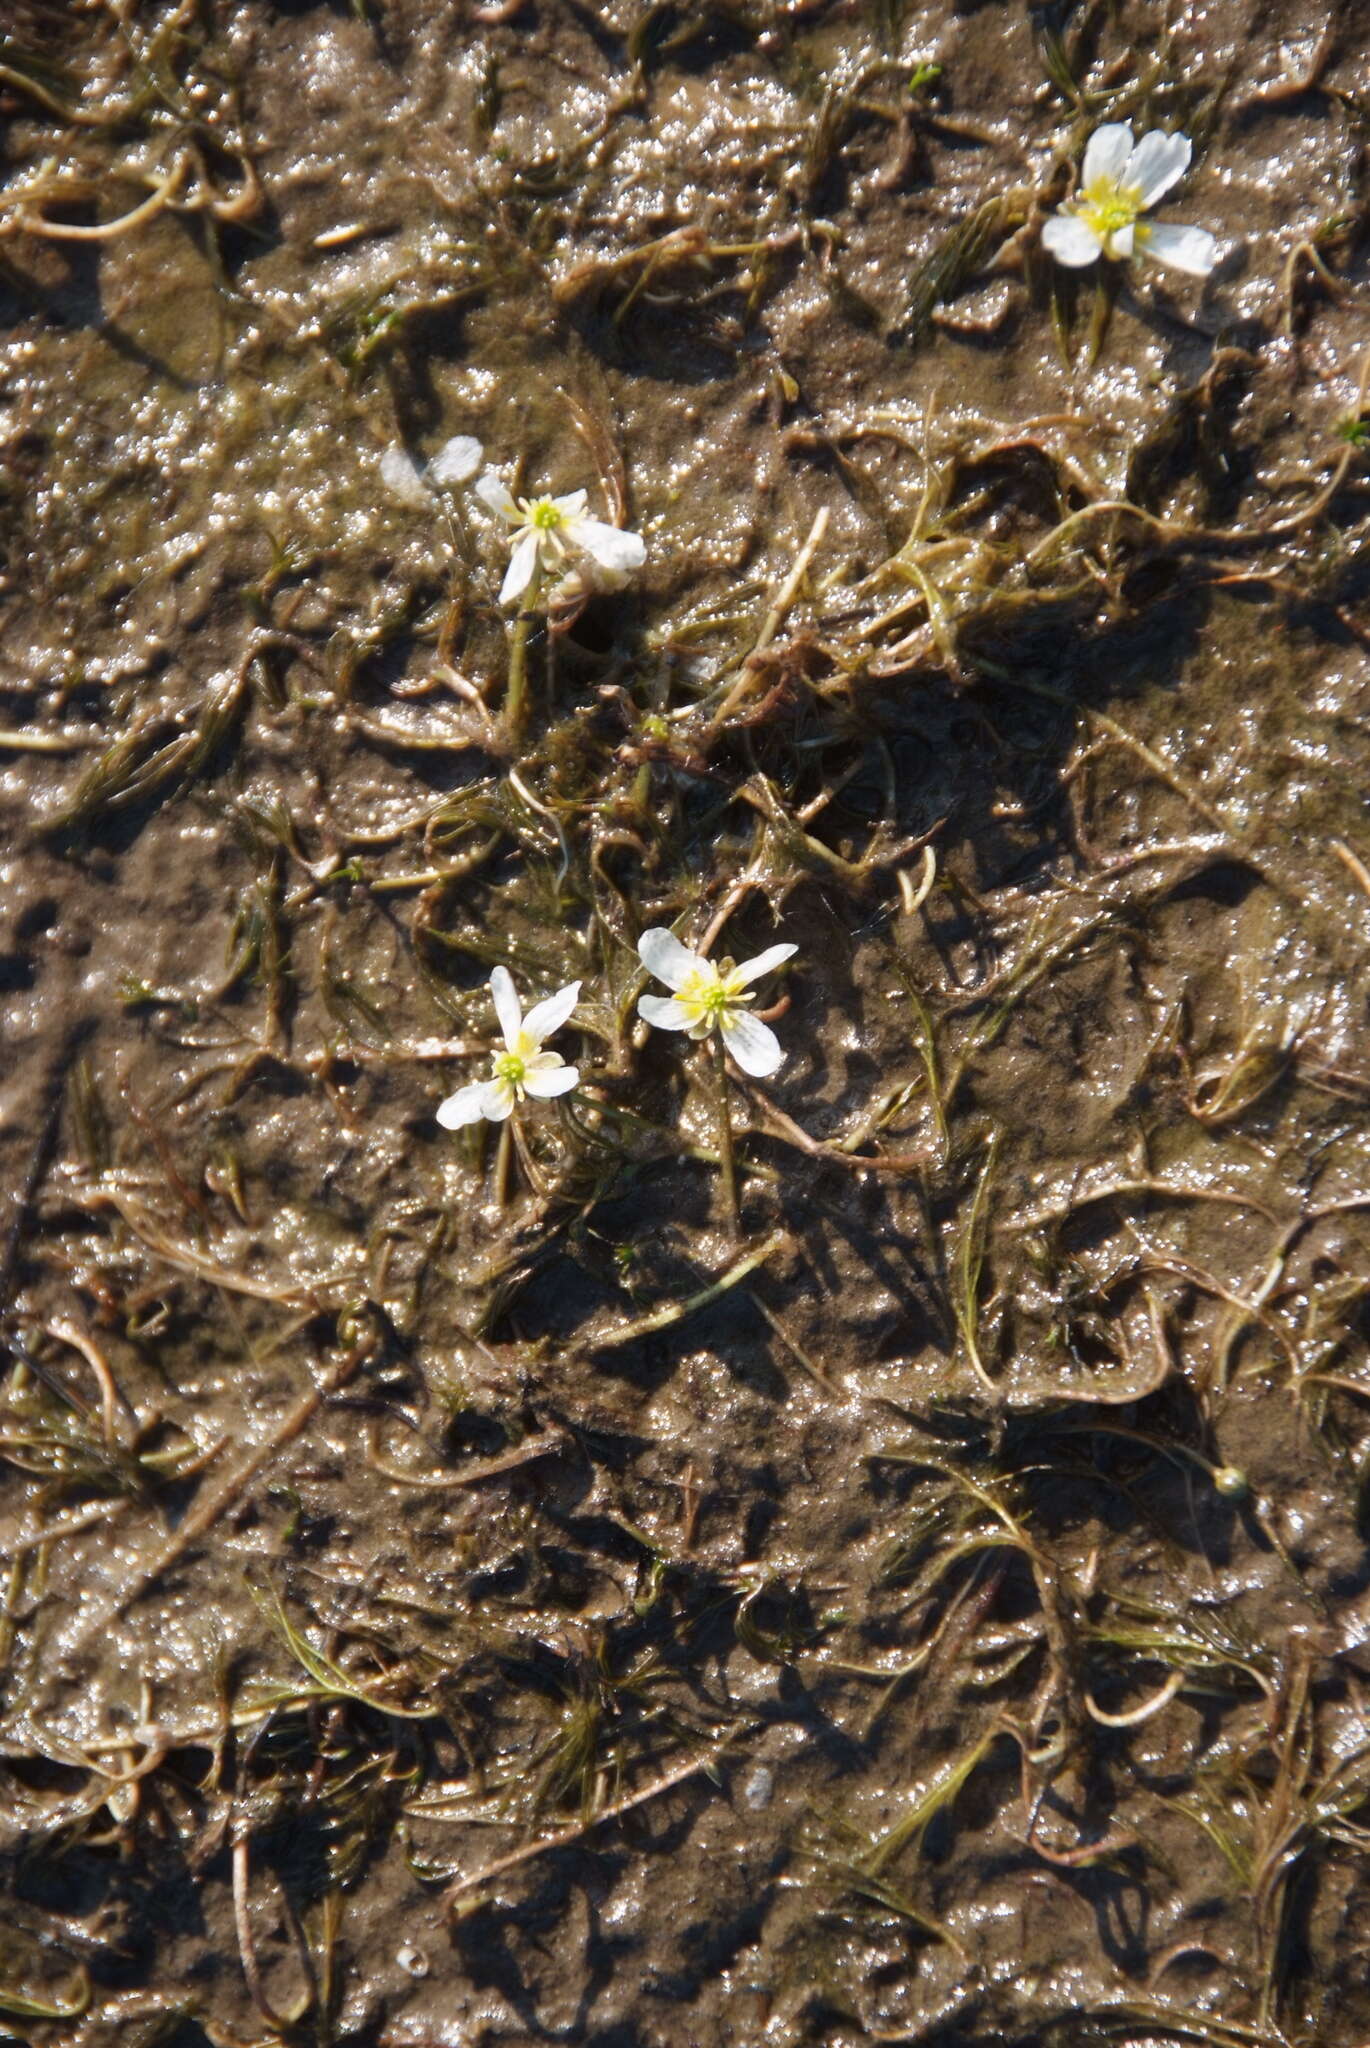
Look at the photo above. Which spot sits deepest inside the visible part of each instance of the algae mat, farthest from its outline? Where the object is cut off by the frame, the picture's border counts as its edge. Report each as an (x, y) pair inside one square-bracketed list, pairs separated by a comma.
[(464, 1593)]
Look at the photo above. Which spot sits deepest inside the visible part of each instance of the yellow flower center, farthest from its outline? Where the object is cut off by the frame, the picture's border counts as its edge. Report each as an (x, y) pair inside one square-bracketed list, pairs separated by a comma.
[(710, 992), (546, 516), (1107, 207), (511, 1067)]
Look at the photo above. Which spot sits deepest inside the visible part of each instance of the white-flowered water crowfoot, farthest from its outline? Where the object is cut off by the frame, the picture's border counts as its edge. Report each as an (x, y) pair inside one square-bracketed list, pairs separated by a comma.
[(456, 462), (523, 1068), (555, 539), (706, 996), (1119, 180)]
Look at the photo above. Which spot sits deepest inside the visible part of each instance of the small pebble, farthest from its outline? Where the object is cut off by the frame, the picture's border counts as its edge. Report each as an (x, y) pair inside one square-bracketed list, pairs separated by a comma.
[(757, 1791)]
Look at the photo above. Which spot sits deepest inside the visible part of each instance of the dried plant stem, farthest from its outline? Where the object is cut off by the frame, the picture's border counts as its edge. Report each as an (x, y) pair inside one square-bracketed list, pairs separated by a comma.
[(579, 1829), (1135, 1717), (774, 619), (111, 1399), (676, 1311), (15, 742), (737, 893), (163, 194), (1353, 863), (547, 1446), (280, 2023), (66, 110), (85, 1518)]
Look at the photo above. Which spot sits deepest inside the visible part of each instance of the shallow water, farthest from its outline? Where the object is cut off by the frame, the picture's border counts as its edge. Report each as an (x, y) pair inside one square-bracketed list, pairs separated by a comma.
[(424, 1617)]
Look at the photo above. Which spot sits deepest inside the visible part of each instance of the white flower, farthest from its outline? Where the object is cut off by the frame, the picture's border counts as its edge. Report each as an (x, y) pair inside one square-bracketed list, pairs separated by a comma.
[(705, 995), (1118, 182), (456, 462), (523, 1068), (554, 536)]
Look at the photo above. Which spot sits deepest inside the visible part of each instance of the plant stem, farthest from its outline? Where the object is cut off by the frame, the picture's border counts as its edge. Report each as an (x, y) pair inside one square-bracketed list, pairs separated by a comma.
[(516, 695), (725, 1135), (502, 1158)]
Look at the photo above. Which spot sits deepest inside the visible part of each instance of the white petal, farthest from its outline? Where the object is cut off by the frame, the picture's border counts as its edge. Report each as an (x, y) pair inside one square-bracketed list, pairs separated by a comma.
[(1157, 163), (522, 564), (578, 584), (544, 1082), (495, 494), (661, 951), (572, 504), (457, 461), (752, 1044), (666, 1013), (399, 475), (1191, 249), (496, 1101), (586, 578), (508, 1008), (465, 1107), (1119, 243), (610, 547), (551, 1013), (1106, 154), (752, 970), (1071, 240)]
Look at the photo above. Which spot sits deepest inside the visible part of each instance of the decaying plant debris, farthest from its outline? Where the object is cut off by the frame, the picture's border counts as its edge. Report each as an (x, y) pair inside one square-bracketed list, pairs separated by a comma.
[(444, 1606)]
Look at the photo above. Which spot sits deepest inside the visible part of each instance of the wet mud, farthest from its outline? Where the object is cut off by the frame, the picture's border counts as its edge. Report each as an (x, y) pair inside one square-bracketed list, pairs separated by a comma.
[(453, 1597)]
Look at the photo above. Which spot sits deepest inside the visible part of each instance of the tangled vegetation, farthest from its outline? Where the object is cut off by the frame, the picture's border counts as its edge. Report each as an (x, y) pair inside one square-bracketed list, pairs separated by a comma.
[(869, 1552)]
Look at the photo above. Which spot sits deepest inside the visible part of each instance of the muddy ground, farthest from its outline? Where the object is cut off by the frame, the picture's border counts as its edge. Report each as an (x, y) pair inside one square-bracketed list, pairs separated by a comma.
[(448, 1600)]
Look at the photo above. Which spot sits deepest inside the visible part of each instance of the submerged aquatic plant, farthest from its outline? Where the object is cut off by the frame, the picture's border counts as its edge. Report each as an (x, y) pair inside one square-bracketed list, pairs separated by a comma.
[(1119, 180), (558, 548), (706, 996), (523, 1068)]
